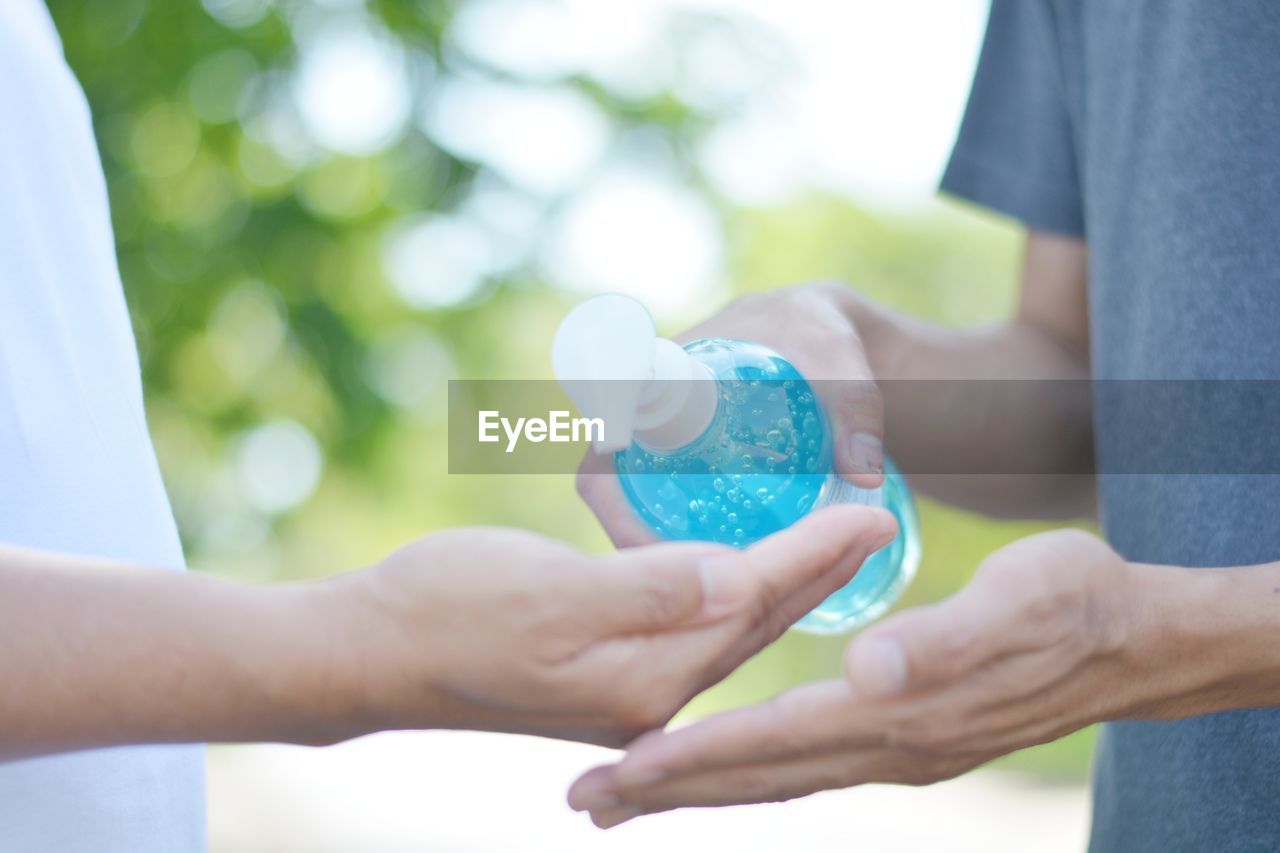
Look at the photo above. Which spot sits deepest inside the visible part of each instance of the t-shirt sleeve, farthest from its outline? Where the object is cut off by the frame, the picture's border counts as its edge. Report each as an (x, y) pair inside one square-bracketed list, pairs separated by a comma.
[(1015, 152)]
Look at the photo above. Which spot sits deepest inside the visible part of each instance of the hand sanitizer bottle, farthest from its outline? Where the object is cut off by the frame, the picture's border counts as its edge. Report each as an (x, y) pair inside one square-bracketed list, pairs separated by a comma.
[(723, 441)]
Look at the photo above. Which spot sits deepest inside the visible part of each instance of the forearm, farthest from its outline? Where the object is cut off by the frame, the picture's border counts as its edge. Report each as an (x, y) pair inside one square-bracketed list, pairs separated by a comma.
[(98, 654), (968, 435), (1205, 640)]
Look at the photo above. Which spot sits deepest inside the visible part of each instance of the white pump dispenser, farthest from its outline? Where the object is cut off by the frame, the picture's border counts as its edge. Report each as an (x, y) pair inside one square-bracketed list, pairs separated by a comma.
[(610, 361)]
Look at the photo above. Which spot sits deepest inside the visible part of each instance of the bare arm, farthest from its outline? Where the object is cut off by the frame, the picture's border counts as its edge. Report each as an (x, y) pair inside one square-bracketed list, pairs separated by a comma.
[(99, 653), (1035, 434), (481, 628)]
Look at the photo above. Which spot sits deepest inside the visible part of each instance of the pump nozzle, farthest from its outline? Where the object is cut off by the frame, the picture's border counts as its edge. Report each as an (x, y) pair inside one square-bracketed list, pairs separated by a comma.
[(610, 361)]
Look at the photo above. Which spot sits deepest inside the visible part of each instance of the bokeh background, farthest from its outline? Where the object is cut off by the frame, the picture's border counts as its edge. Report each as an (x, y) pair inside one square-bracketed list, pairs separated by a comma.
[(326, 209)]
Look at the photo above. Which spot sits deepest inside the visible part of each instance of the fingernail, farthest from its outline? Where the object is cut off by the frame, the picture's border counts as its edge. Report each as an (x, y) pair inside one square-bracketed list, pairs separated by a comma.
[(726, 583), (880, 668), (867, 453)]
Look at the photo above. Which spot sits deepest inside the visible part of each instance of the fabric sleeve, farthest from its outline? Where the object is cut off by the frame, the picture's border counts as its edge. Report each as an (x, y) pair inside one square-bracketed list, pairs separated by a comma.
[(1015, 152)]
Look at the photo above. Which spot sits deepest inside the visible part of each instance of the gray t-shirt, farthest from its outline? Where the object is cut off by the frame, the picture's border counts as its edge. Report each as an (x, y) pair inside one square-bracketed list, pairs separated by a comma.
[(1151, 128)]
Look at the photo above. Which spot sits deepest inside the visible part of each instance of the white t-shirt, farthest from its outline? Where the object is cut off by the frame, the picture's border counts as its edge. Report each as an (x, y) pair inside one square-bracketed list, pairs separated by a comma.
[(77, 469)]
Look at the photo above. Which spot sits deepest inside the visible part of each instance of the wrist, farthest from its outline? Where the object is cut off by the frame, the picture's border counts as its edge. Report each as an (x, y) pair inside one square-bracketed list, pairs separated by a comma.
[(309, 673), (1205, 639), (382, 656), (885, 338)]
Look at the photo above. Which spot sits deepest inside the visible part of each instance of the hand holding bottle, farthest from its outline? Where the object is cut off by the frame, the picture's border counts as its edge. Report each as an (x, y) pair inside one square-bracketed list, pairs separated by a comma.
[(809, 326), (727, 440)]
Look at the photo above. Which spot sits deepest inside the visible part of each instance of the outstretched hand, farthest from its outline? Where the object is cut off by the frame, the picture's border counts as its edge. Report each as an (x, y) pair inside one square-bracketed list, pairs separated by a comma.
[(1044, 641), (507, 631)]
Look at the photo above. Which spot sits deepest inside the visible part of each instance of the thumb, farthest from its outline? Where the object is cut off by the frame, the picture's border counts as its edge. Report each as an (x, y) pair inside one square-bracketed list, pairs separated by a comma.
[(672, 585), (819, 553), (924, 646), (856, 409)]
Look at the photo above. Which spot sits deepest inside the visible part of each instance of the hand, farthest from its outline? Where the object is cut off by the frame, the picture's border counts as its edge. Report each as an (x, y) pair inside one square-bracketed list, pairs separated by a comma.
[(501, 630), (1052, 634), (810, 326)]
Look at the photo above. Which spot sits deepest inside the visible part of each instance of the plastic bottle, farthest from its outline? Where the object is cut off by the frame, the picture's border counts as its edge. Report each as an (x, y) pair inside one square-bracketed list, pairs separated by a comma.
[(724, 441)]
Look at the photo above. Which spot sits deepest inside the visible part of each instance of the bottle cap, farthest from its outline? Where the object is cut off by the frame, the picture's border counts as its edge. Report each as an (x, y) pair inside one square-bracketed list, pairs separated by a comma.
[(610, 361)]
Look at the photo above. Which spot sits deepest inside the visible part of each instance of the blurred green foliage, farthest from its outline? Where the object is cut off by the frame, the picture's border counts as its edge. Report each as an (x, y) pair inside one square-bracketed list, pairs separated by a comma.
[(252, 260)]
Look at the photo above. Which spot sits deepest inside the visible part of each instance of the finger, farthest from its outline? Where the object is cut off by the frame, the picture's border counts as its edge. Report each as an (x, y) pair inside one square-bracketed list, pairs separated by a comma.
[(750, 781), (738, 646), (926, 646), (838, 537), (846, 387), (786, 600), (802, 601), (677, 585), (748, 598), (593, 789), (855, 407), (753, 781), (811, 719), (600, 488)]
